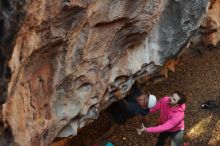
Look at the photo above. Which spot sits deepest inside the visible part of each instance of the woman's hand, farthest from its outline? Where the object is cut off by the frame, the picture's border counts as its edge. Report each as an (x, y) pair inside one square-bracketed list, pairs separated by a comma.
[(142, 129)]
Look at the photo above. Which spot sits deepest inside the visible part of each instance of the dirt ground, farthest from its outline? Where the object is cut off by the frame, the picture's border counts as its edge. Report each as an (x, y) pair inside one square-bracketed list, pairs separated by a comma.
[(199, 77)]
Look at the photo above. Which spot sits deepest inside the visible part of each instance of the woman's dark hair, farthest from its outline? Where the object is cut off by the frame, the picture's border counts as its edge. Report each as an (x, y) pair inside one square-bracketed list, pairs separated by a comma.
[(182, 97)]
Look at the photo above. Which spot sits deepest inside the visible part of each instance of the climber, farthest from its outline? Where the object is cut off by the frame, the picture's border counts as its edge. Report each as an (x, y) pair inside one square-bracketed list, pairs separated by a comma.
[(136, 103), (171, 119)]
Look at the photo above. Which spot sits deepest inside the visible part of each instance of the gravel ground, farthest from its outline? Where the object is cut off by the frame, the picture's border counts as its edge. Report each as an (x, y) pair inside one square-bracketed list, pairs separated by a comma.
[(196, 75)]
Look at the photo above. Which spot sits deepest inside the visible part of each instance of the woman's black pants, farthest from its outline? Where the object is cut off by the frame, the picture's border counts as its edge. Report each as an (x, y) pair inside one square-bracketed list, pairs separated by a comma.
[(176, 138)]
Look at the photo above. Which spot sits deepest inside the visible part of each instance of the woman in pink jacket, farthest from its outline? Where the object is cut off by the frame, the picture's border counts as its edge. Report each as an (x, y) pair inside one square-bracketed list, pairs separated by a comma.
[(171, 119)]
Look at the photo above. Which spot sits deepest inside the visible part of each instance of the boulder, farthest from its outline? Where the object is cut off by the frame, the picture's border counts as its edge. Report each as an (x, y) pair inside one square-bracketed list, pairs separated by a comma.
[(70, 58)]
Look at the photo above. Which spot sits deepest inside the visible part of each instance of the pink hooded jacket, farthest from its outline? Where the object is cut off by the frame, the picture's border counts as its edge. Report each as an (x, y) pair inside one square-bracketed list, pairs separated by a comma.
[(171, 118)]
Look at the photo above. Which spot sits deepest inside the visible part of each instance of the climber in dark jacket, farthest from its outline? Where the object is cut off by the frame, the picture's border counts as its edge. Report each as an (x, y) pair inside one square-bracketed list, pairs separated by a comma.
[(136, 103)]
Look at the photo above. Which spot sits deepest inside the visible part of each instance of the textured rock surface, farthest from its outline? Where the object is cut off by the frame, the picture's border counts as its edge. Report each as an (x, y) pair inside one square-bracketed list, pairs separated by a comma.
[(11, 16), (208, 35), (211, 24), (70, 57)]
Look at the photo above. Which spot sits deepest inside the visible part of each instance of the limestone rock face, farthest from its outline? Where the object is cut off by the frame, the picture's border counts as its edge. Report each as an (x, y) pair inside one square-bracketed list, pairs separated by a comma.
[(71, 57), (11, 16), (208, 35)]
